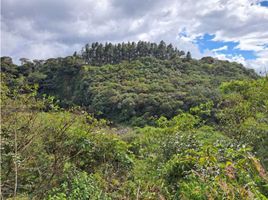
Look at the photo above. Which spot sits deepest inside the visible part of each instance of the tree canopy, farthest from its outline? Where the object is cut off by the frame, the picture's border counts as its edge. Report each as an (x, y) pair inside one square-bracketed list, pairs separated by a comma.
[(133, 121)]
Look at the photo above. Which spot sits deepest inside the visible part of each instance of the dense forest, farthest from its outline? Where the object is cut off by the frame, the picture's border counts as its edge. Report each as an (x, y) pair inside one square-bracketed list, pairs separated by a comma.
[(108, 53), (133, 121)]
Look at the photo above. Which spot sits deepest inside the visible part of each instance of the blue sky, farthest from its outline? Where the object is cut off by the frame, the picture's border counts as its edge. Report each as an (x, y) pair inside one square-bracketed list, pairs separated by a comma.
[(235, 30), (264, 3), (206, 42)]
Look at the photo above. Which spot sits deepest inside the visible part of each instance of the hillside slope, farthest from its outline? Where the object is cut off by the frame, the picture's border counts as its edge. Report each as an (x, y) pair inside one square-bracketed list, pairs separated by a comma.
[(139, 90)]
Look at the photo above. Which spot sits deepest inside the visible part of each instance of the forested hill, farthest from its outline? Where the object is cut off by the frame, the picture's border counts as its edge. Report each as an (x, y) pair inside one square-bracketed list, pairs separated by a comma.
[(148, 127), (137, 89)]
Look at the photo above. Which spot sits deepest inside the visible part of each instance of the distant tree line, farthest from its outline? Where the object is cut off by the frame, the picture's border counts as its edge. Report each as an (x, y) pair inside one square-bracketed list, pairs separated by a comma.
[(108, 53)]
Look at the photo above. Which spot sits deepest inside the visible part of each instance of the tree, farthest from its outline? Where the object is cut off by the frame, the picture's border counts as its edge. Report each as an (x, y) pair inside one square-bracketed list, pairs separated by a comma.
[(188, 56), (161, 50)]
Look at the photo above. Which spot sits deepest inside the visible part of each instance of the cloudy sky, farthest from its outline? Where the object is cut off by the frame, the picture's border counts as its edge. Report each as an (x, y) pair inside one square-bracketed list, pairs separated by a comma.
[(228, 29)]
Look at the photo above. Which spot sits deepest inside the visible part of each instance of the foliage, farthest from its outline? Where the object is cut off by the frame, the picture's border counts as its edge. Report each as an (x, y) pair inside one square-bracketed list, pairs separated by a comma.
[(202, 126), (98, 54), (81, 186), (128, 83), (243, 114), (37, 145)]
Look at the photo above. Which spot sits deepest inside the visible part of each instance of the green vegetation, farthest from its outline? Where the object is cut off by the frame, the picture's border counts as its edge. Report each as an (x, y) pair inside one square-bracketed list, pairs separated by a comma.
[(243, 114), (135, 92), (144, 128), (108, 53)]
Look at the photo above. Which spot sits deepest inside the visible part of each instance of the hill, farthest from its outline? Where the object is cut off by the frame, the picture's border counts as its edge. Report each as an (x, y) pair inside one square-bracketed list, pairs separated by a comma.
[(169, 127), (139, 90)]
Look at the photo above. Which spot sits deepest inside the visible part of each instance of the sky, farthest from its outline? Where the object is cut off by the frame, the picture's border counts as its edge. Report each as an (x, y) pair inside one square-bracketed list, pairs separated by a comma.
[(235, 30)]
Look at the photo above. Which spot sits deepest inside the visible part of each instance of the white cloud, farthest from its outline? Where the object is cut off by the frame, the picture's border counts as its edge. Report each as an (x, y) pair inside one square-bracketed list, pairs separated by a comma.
[(45, 28), (220, 48)]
